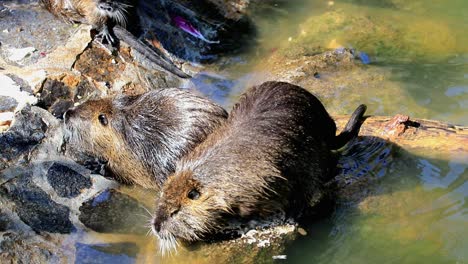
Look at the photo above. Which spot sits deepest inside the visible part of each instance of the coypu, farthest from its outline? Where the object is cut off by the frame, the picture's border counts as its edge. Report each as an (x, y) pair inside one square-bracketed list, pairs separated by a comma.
[(104, 16), (142, 136), (273, 154), (162, 29)]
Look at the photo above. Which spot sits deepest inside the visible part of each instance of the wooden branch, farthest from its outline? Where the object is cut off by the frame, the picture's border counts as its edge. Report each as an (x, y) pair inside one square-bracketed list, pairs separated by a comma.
[(414, 133)]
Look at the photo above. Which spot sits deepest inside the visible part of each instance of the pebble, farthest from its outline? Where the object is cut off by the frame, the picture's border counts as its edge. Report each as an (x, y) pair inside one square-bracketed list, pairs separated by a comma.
[(280, 257), (302, 231)]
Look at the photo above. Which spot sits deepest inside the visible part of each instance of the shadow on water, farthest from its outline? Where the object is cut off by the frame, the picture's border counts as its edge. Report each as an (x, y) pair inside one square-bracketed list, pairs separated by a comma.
[(386, 214)]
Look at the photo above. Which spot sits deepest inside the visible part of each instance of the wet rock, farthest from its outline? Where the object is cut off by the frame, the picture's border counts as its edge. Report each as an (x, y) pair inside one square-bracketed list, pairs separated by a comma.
[(66, 181), (59, 95), (99, 65), (35, 207), (106, 253), (27, 131), (53, 90), (114, 212)]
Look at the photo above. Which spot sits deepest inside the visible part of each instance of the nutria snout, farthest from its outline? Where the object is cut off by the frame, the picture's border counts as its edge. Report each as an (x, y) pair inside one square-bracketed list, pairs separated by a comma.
[(141, 137), (273, 154)]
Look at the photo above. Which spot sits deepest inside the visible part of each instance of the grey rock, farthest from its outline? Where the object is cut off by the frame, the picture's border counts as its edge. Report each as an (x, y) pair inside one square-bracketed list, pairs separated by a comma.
[(35, 207), (27, 131), (66, 181), (113, 212), (7, 104), (24, 86)]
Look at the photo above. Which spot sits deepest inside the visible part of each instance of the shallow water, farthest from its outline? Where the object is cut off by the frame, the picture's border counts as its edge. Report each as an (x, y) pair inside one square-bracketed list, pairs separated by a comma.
[(415, 211)]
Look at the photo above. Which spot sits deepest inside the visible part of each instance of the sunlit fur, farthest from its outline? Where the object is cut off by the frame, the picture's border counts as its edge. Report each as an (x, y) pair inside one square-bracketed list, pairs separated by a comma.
[(88, 11), (273, 155), (146, 134)]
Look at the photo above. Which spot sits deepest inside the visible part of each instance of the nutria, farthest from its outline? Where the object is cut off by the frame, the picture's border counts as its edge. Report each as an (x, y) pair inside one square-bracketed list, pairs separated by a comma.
[(162, 29), (141, 137), (108, 18), (273, 154)]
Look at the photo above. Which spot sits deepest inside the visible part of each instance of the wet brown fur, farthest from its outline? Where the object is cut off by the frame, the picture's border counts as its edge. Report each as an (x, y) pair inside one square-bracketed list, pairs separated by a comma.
[(274, 154), (145, 135)]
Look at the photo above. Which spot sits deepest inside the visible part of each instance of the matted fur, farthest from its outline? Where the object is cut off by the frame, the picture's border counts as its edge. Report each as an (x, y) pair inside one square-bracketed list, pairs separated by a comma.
[(146, 134)]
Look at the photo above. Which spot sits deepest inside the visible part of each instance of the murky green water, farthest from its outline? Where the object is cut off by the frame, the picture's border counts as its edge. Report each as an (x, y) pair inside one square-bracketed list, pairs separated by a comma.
[(416, 211)]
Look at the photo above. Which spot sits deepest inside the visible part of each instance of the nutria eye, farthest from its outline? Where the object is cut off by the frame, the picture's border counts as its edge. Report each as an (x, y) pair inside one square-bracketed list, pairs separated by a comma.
[(103, 119), (193, 194)]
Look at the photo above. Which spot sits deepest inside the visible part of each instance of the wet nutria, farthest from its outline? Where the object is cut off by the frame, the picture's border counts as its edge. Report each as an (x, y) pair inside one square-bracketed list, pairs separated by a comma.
[(105, 16), (141, 137), (273, 154)]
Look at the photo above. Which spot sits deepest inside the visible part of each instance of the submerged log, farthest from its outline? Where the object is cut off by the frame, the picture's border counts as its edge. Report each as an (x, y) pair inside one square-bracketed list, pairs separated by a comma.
[(414, 134)]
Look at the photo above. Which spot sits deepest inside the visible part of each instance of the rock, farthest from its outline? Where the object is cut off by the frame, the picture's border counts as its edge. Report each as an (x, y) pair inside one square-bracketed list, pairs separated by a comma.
[(66, 181), (13, 91), (17, 55), (114, 212), (106, 253), (35, 207), (7, 104), (53, 90), (27, 131), (59, 95), (15, 248)]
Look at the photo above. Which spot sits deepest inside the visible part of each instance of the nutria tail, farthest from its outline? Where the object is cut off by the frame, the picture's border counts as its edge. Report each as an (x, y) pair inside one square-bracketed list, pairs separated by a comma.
[(351, 129)]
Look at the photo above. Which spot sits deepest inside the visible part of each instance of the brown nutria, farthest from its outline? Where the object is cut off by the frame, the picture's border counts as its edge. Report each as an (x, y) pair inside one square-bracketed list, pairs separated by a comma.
[(273, 154), (104, 16), (141, 137)]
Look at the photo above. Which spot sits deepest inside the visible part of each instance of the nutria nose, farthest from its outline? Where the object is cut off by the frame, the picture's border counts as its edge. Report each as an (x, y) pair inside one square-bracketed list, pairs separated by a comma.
[(106, 7), (157, 224)]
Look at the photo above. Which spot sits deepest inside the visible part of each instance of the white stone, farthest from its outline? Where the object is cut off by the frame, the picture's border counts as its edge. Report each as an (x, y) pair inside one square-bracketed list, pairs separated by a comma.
[(5, 117), (9, 88), (18, 54)]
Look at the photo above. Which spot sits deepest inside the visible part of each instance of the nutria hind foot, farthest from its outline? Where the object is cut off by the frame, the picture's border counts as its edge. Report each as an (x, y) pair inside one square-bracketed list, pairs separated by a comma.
[(351, 129)]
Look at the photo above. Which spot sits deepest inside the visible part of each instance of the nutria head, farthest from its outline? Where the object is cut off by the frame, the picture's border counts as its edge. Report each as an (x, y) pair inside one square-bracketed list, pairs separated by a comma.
[(187, 210), (141, 137)]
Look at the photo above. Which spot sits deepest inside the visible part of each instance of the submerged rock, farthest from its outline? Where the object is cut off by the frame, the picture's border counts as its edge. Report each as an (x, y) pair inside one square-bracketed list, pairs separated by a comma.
[(114, 212), (106, 253)]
